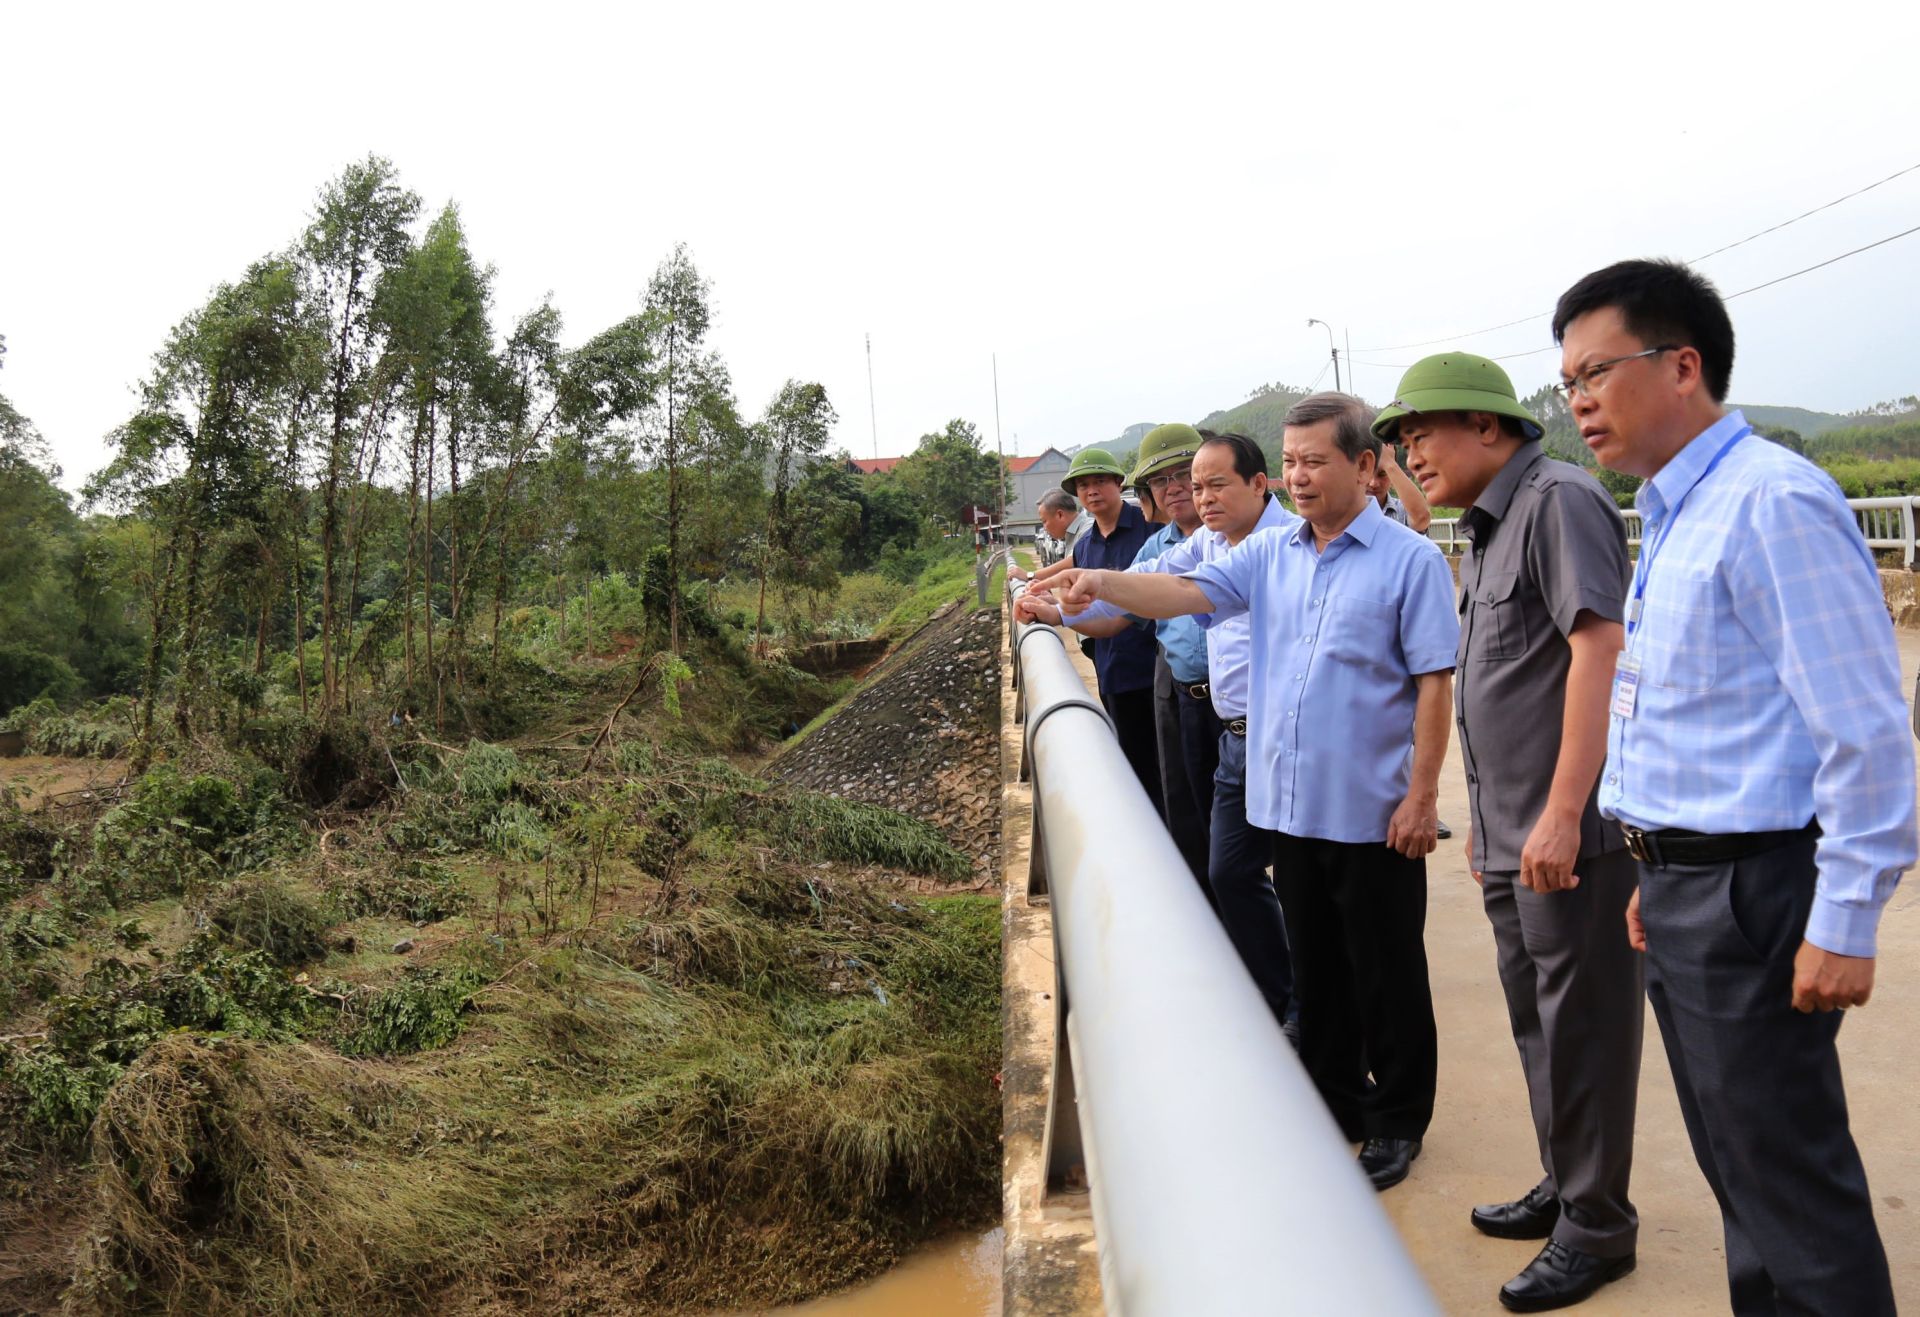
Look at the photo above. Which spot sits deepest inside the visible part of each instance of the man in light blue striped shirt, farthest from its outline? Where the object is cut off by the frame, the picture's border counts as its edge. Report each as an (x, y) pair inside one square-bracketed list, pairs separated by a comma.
[(1758, 760)]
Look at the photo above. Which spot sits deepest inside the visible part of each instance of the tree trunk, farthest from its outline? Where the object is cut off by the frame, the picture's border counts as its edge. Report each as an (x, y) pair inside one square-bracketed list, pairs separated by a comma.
[(190, 635), (161, 603), (426, 572), (413, 533), (456, 656), (330, 504), (673, 499)]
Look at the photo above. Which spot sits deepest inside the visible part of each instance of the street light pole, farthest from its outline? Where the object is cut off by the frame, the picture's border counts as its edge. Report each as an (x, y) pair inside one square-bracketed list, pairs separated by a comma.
[(1330, 346)]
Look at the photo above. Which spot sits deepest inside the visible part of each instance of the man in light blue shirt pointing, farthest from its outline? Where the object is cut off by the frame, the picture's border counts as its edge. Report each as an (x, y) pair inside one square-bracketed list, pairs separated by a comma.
[(1230, 490), (1354, 630), (1757, 757)]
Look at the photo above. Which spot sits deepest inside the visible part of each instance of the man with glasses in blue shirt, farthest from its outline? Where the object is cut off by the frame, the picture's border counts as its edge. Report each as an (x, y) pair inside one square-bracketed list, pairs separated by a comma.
[(1758, 761)]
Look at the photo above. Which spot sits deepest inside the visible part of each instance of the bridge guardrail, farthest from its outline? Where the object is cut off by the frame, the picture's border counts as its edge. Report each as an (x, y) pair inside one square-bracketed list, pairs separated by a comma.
[(1218, 1182), (1886, 523)]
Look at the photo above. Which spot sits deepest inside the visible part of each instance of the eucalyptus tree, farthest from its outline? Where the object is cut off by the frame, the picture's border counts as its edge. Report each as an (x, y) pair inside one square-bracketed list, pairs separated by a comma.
[(798, 424), (676, 302), (608, 386), (431, 312), (200, 452), (359, 232), (526, 398)]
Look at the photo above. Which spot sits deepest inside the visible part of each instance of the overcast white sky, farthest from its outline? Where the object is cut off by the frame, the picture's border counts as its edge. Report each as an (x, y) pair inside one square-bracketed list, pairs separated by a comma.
[(1136, 208)]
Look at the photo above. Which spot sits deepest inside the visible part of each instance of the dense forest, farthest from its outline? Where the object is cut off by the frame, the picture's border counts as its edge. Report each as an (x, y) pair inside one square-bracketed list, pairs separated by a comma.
[(349, 474)]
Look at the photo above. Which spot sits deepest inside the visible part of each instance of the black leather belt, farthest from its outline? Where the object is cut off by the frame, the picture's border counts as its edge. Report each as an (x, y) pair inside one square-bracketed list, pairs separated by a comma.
[(1238, 726), (1664, 846), (1198, 690)]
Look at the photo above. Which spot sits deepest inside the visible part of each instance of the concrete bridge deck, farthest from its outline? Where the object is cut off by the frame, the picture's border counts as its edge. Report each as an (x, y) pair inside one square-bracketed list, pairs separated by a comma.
[(1481, 1148)]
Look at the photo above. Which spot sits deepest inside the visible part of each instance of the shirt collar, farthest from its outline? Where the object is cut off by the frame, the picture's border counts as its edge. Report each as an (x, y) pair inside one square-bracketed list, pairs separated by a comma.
[(1676, 479), (1362, 528), (1164, 536), (1497, 497), (1130, 517)]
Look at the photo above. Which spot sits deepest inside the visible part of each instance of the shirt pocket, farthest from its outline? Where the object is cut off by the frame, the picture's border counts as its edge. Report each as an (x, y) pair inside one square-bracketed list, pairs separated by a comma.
[(1499, 623), (1676, 637), (1364, 633)]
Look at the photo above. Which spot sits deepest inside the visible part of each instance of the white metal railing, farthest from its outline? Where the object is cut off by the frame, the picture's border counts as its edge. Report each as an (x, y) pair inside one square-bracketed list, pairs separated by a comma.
[(1219, 1183), (1886, 523)]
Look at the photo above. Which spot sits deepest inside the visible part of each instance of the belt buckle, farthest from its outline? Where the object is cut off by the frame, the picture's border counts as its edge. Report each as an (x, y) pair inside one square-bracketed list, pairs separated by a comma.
[(1238, 726), (1642, 846)]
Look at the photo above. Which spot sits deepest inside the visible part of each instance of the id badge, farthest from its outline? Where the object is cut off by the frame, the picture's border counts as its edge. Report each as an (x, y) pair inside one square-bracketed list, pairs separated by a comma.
[(1626, 684)]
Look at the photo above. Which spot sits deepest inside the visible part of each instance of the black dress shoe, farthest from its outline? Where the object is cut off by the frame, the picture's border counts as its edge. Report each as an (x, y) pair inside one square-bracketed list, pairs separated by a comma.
[(1559, 1278), (1532, 1216), (1387, 1161)]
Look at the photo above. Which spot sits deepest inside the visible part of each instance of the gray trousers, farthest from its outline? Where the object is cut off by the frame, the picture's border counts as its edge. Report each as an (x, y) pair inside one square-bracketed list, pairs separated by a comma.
[(1575, 1000), (1759, 1084)]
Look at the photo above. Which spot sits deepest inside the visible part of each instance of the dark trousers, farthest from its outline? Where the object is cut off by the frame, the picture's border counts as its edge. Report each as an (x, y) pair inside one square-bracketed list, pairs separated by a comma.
[(1242, 892), (1759, 1083), (1180, 801), (1575, 1000), (1357, 913), (1200, 746), (1132, 714)]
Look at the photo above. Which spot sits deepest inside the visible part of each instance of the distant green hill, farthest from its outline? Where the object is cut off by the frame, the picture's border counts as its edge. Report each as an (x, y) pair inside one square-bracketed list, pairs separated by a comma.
[(1808, 423)]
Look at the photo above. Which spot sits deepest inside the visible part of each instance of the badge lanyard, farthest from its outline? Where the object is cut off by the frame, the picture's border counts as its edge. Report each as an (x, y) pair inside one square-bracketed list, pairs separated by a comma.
[(1643, 568), (1626, 674)]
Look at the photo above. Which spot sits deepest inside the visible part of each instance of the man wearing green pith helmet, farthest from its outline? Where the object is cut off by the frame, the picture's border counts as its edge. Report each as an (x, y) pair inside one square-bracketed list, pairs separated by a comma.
[(1122, 662), (1542, 589)]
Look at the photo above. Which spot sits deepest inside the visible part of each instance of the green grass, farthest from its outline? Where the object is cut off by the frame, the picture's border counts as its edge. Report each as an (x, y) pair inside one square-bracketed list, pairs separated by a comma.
[(949, 580)]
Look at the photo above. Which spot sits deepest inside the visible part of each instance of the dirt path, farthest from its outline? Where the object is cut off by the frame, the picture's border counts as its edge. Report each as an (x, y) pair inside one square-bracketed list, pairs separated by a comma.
[(32, 778)]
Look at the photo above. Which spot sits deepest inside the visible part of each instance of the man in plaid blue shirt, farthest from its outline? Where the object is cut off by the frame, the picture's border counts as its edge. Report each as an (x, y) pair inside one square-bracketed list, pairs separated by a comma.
[(1758, 762)]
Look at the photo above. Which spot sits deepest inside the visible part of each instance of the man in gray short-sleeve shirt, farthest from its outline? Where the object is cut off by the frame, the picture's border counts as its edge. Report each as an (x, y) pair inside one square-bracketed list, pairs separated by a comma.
[(1542, 597)]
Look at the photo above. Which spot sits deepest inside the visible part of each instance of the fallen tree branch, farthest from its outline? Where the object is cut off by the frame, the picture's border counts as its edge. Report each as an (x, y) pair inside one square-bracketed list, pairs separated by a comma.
[(646, 671)]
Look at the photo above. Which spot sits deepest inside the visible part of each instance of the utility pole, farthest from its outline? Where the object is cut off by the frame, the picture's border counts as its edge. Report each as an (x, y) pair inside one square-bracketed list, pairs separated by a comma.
[(1353, 385), (872, 415), (1330, 346)]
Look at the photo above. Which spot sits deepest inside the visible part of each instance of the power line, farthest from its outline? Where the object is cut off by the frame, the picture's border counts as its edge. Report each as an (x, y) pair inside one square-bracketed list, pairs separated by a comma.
[(1509, 324), (1534, 352), (1829, 261), (1797, 218)]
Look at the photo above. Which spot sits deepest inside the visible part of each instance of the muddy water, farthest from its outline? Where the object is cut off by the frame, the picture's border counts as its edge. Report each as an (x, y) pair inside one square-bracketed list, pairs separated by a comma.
[(959, 1278)]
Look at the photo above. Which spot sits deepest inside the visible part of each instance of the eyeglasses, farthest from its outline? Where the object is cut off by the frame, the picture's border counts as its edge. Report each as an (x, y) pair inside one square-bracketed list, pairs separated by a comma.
[(1590, 379), (1183, 476)]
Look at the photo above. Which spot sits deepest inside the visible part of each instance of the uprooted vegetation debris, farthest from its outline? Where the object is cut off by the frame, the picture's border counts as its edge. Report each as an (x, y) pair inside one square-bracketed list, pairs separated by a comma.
[(667, 1035)]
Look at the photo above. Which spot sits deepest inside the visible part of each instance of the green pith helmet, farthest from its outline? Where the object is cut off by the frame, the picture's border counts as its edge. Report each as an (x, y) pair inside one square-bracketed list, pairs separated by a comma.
[(1165, 446), (1092, 462), (1454, 382)]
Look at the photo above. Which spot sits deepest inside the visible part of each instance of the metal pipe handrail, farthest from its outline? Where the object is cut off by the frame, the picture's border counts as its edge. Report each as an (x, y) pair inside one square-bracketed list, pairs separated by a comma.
[(1885, 523), (1218, 1181)]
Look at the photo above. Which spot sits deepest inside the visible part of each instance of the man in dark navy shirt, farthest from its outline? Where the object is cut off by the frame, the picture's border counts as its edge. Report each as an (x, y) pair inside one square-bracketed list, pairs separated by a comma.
[(1123, 663)]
